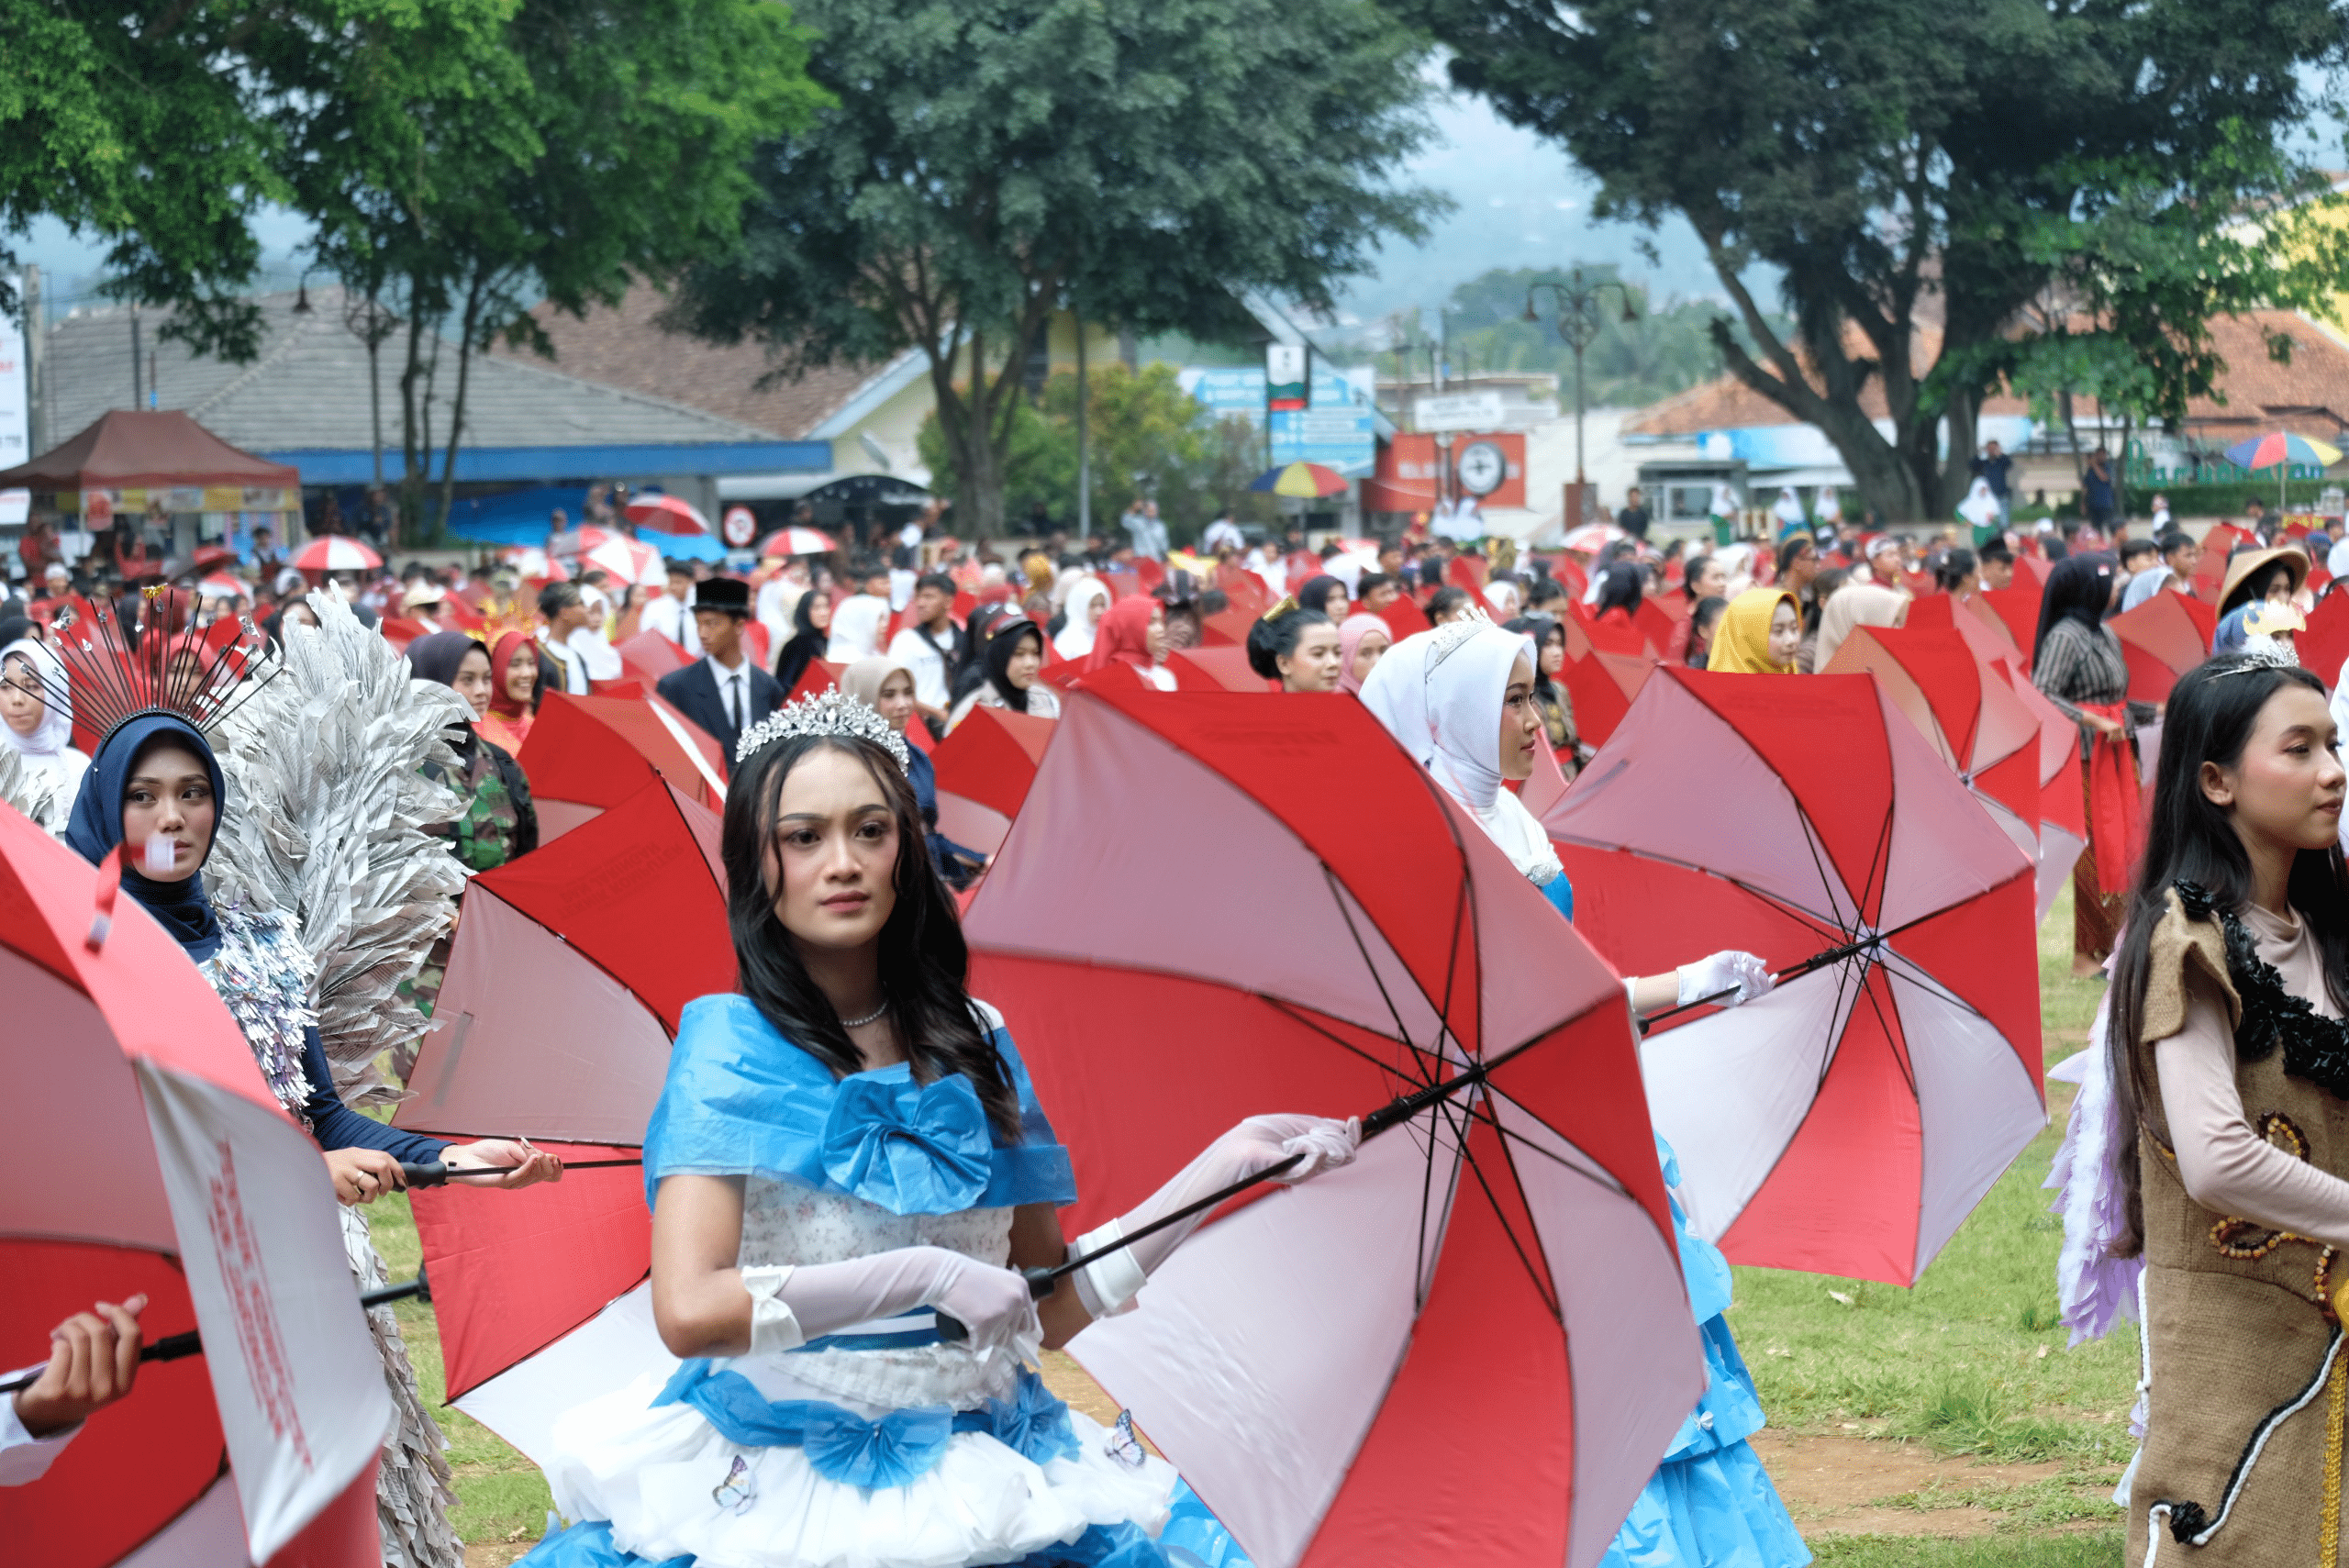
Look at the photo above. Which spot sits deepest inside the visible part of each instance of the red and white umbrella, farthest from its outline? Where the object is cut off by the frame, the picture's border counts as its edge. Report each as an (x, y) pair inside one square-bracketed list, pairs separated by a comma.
[(796, 541), (1592, 537), (984, 770), (1847, 1122), (630, 561), (209, 1200), (1320, 1362), (220, 586), (336, 552), (533, 562), (584, 755), (555, 1021), (666, 514)]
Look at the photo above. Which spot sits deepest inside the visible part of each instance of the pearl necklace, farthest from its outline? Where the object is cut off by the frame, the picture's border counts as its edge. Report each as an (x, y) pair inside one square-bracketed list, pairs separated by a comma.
[(872, 1017)]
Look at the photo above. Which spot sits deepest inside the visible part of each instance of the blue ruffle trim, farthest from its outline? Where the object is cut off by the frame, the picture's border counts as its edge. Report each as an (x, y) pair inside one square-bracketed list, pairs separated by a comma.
[(1716, 1511), (742, 1100), (590, 1545), (895, 1450)]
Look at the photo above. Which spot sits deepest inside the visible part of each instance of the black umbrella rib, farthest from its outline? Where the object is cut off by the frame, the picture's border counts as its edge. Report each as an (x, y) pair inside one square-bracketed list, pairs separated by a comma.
[(1541, 1285), (1339, 896)]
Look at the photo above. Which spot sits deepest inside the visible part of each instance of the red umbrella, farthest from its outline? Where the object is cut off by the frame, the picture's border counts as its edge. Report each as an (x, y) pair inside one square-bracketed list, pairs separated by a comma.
[(1602, 688), (2017, 611), (555, 1021), (984, 770), (2210, 569), (1228, 628), (1403, 618), (1847, 1122), (1222, 668), (1319, 1362), (796, 541), (648, 656), (336, 552), (586, 754), (1966, 709), (666, 515), (210, 1201), (2163, 637), (2324, 645)]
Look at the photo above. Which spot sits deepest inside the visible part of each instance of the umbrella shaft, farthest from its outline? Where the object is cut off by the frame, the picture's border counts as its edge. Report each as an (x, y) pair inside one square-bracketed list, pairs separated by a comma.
[(174, 1347), (433, 1173)]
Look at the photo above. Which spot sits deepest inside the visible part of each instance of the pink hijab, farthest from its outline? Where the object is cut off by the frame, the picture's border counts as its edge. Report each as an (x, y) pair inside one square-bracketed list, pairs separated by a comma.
[(1350, 632)]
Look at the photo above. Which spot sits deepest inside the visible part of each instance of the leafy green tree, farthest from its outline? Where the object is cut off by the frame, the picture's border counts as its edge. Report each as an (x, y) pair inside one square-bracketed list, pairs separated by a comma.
[(466, 158), (1151, 441), (1917, 171), (986, 166), (133, 122)]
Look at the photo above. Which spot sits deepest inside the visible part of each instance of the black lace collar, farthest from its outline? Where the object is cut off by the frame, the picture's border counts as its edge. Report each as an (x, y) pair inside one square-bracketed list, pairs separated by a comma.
[(2316, 1049)]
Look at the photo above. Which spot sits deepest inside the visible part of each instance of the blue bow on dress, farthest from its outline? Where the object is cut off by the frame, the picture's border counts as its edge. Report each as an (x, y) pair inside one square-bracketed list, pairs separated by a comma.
[(911, 1148)]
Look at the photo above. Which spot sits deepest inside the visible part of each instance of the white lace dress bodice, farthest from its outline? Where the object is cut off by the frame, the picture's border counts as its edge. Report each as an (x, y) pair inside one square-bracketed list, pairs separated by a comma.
[(786, 1223)]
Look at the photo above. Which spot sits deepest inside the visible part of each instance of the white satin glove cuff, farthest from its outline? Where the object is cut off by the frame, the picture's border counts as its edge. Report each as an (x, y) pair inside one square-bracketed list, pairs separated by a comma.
[(1106, 1286), (774, 1328)]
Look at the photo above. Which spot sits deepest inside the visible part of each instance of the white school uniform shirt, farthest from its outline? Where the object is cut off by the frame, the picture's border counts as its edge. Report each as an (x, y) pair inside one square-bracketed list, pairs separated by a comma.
[(673, 620), (927, 666), (570, 668), (734, 688), (25, 1458)]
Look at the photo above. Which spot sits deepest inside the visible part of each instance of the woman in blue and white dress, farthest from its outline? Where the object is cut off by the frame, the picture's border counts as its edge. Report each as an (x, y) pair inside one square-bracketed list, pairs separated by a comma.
[(1460, 700), (847, 1154)]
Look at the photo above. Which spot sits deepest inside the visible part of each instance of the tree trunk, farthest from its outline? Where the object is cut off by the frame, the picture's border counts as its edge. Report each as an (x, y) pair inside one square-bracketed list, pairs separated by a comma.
[(414, 452), (457, 409)]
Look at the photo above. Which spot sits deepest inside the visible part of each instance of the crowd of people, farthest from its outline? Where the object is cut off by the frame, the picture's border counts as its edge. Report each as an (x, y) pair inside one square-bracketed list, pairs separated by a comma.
[(799, 1293)]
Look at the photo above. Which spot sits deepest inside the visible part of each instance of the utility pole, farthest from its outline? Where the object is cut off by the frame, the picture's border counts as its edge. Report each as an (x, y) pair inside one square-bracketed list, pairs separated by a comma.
[(137, 365), (1579, 324), (36, 332)]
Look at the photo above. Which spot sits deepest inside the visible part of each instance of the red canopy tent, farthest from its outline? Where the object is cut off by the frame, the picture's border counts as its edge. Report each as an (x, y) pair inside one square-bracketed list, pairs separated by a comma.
[(128, 450)]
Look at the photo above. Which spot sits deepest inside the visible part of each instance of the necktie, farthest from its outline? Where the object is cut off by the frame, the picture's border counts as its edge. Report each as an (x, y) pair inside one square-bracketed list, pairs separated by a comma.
[(734, 698)]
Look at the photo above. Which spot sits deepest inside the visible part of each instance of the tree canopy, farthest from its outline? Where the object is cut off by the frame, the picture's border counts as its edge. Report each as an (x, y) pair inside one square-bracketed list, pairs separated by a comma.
[(1919, 172), (989, 163)]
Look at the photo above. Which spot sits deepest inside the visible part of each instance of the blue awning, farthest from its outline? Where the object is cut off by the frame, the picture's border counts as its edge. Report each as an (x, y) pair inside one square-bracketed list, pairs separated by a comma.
[(583, 464)]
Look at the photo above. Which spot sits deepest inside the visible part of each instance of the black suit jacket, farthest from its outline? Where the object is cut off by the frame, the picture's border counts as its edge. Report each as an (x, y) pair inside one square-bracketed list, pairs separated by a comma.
[(692, 691)]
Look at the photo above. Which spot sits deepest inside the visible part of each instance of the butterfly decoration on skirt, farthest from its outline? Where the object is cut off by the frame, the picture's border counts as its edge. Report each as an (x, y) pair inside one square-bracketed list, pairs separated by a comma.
[(738, 1491), (1122, 1445)]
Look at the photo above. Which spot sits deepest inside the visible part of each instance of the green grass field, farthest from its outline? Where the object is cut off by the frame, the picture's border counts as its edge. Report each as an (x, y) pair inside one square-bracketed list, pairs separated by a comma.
[(1968, 1363)]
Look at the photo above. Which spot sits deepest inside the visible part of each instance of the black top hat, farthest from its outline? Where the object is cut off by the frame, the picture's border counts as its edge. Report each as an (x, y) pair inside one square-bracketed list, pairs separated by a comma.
[(731, 595)]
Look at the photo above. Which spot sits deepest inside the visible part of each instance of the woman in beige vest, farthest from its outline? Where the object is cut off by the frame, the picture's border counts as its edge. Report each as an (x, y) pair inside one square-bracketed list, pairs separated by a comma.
[(2230, 1056)]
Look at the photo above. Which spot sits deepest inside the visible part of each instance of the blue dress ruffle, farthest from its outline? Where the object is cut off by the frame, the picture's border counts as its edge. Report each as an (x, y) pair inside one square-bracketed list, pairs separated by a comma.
[(1710, 1504), (742, 1100)]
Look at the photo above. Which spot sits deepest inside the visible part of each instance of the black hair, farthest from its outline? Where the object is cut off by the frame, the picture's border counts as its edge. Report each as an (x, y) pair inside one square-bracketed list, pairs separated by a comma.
[(1372, 580), (1275, 636), (1702, 617), (1314, 595), (1692, 569), (1995, 549), (2211, 713), (557, 597), (2254, 585), (2080, 589), (1956, 568), (1546, 589), (1792, 546), (924, 962), (1824, 587), (1540, 629), (1445, 600), (935, 580), (1619, 588), (2131, 548), (2173, 541)]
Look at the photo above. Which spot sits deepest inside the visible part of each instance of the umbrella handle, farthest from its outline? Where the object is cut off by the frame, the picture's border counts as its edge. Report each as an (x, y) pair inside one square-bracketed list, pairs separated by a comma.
[(177, 1347)]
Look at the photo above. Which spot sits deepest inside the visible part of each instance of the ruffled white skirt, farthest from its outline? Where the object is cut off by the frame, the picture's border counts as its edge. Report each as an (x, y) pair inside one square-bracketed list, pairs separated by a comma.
[(671, 1485)]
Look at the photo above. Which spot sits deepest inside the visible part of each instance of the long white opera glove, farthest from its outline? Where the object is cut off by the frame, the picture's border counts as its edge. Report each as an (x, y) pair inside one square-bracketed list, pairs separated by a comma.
[(1106, 1285), (790, 1305), (1743, 974)]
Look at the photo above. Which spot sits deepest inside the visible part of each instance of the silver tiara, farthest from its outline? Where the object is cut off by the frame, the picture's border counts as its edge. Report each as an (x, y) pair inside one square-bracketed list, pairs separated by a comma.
[(2266, 654), (831, 713)]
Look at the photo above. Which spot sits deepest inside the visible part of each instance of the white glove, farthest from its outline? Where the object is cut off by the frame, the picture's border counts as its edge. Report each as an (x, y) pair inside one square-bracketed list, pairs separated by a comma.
[(790, 1305), (1741, 974), (1106, 1285)]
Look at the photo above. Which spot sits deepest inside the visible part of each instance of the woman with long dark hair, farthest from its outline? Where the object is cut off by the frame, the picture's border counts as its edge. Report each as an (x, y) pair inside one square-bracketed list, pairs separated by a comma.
[(1549, 692), (2077, 664), (811, 621), (2229, 1066), (847, 1150)]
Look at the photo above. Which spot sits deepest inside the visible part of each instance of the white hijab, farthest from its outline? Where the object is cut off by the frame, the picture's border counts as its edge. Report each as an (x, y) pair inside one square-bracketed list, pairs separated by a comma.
[(1980, 507), (53, 736), (1440, 693), (1086, 602)]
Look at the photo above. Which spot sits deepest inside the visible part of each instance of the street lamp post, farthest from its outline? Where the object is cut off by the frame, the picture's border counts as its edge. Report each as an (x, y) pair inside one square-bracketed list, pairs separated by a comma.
[(1578, 325)]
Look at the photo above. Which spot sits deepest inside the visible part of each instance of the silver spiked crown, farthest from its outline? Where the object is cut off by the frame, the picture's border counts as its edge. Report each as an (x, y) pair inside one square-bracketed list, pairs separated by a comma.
[(831, 713)]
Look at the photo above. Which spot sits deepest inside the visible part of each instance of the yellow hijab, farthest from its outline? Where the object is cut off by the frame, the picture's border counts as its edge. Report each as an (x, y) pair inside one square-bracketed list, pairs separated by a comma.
[(1741, 641)]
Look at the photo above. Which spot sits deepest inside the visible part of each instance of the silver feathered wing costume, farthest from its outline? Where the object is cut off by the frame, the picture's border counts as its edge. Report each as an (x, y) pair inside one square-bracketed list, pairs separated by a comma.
[(326, 827), (30, 792)]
